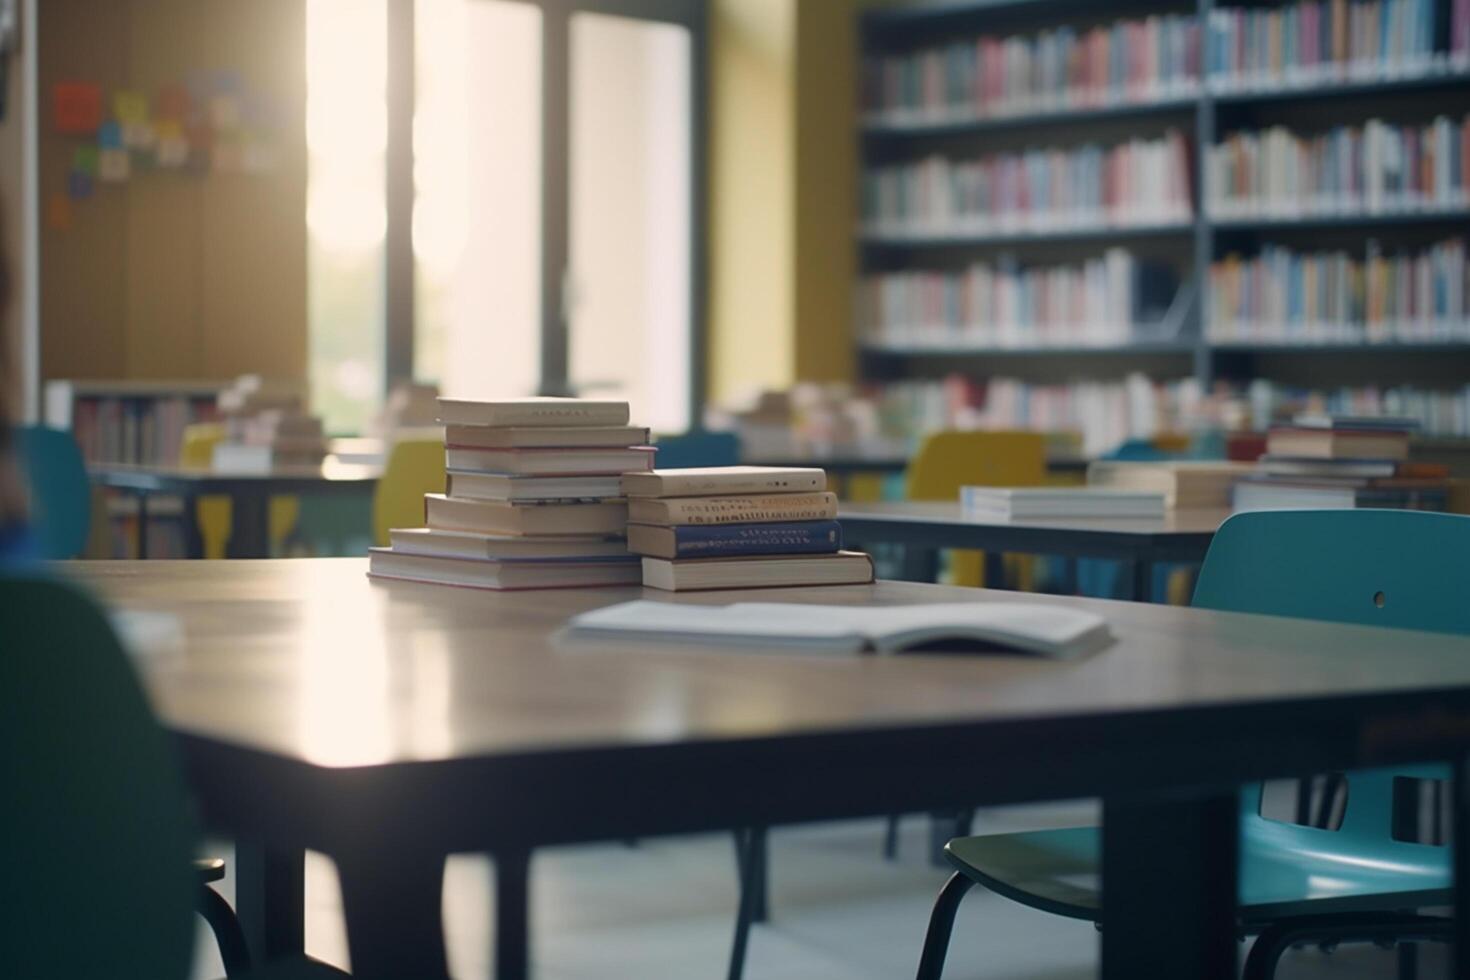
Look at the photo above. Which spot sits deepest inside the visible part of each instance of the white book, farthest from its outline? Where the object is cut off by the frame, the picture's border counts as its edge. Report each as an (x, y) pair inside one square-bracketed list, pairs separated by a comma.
[(501, 575), (1060, 502), (524, 412), (1044, 629), (499, 486)]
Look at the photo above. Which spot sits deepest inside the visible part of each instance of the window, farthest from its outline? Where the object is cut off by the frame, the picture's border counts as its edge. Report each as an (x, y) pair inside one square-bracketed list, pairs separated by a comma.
[(555, 197)]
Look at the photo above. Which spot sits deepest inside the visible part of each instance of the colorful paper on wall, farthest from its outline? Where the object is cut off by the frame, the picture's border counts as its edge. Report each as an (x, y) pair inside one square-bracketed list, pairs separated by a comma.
[(113, 166), (77, 108)]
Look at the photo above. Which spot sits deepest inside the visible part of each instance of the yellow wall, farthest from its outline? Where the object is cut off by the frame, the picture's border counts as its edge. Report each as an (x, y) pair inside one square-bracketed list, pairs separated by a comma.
[(169, 275), (783, 161), (752, 187)]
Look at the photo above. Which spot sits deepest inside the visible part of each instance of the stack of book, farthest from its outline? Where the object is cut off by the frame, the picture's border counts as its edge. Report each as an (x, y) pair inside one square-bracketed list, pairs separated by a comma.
[(533, 498), (1334, 462), (266, 426), (729, 527), (1379, 168), (1020, 503), (1321, 297), (1186, 485), (1141, 182)]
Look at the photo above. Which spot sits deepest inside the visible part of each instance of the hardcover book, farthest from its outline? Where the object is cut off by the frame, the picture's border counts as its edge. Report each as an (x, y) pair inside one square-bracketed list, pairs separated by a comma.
[(503, 517), (533, 412), (750, 509), (710, 481), (732, 540)]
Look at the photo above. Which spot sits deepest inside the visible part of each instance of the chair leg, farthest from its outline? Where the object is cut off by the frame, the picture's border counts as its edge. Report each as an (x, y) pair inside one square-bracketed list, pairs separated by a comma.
[(744, 913), (945, 826), (890, 837), (1408, 961), (1372, 927), (233, 951), (941, 924)]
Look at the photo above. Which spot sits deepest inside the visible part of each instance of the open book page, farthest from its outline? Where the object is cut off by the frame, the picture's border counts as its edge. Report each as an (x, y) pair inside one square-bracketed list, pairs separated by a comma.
[(1038, 628)]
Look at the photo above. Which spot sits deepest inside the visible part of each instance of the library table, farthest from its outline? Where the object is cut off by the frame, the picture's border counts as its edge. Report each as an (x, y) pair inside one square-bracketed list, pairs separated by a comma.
[(1180, 535), (251, 493), (389, 724)]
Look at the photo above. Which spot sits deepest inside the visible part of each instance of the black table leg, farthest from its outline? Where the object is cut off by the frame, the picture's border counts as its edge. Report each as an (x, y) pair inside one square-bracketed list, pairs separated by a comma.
[(995, 569), (1459, 837), (512, 916), (392, 899), (193, 538), (270, 899), (1141, 588), (1169, 888), (1068, 585), (760, 871), (142, 524), (920, 564), (250, 526)]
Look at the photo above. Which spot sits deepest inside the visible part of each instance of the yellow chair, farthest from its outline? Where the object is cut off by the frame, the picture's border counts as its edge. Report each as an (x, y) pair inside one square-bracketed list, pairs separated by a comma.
[(947, 461), (415, 467), (215, 513)]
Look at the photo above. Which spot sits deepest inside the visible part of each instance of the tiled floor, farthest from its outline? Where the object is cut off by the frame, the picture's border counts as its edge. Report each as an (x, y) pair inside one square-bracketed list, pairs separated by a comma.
[(839, 912)]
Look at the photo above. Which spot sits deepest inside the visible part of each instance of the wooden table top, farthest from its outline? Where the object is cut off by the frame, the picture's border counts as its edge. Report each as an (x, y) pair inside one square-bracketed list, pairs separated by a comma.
[(311, 660), (1173, 523)]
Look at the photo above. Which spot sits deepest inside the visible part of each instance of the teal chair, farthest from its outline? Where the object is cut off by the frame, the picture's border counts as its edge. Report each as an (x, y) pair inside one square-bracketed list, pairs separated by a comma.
[(96, 841), (60, 494), (697, 448), (1393, 568)]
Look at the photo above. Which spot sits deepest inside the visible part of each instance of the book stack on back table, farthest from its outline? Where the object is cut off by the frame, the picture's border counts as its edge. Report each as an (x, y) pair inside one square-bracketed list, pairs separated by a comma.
[(1326, 462), (729, 527), (1006, 503), (1186, 485), (533, 498)]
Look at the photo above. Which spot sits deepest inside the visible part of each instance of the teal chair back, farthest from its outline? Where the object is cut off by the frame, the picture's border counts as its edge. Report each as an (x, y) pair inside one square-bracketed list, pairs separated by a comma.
[(697, 449), (95, 842), (1395, 568), (60, 494)]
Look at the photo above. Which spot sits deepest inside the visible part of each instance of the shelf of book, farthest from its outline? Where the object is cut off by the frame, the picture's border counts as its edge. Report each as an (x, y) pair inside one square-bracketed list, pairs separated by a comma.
[(1079, 233), (932, 79), (920, 125)]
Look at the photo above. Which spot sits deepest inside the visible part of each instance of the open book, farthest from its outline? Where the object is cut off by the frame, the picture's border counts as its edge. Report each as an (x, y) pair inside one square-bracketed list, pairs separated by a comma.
[(1055, 631)]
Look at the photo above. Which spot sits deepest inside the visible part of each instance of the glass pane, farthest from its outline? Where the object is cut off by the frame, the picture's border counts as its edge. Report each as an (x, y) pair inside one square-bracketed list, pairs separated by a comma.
[(346, 134), (628, 286), (476, 224)]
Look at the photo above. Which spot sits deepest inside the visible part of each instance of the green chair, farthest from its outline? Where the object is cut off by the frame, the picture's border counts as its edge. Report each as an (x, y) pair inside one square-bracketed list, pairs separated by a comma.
[(60, 493), (1298, 883), (95, 837)]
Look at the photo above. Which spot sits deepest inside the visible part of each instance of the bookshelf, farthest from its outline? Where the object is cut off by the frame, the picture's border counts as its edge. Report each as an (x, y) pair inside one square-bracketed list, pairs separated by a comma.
[(926, 99), (129, 421)]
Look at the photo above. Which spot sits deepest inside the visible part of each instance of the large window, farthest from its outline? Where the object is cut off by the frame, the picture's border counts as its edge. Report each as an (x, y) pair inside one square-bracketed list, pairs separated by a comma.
[(554, 180)]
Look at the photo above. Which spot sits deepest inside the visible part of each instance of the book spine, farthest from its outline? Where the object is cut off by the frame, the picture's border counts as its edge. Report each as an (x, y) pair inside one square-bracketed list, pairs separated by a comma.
[(751, 510), (724, 541), (681, 485), (545, 415)]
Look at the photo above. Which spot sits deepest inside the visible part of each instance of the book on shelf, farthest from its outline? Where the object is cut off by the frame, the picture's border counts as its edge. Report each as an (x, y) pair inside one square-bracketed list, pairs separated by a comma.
[(504, 517), (1045, 629), (499, 486), (710, 481), (477, 573), (757, 572), (1333, 297), (1103, 301), (1042, 502), (1363, 423), (1322, 42), (533, 412), (1186, 485), (1344, 469), (587, 461), (1270, 493), (469, 544), (768, 508), (1374, 169), (1127, 62), (240, 457), (1337, 444), (1140, 182), (735, 540), (545, 436)]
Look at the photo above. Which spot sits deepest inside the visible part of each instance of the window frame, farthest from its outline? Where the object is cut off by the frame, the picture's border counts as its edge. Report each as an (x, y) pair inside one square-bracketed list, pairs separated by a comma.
[(555, 140)]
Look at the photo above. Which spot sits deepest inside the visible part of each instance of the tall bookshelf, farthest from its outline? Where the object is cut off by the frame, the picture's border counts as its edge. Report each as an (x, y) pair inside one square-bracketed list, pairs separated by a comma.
[(1188, 344)]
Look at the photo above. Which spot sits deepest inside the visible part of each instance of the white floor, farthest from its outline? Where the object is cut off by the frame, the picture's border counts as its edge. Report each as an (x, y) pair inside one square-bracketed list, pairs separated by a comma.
[(838, 912)]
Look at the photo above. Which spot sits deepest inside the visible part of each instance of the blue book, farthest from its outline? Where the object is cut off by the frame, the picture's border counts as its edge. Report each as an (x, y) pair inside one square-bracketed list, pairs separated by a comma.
[(732, 540)]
